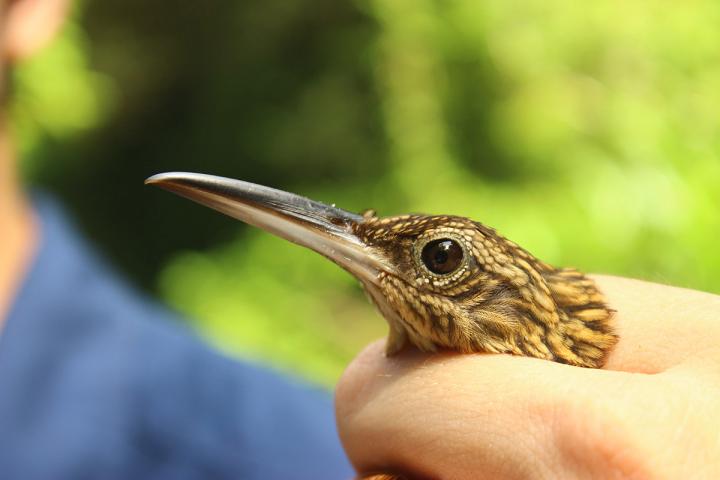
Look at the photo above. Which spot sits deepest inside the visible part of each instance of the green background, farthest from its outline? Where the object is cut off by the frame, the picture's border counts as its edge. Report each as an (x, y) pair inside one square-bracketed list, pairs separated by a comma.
[(588, 132)]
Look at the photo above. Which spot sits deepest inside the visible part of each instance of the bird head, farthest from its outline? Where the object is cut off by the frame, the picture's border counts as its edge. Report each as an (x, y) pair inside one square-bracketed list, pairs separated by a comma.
[(442, 282)]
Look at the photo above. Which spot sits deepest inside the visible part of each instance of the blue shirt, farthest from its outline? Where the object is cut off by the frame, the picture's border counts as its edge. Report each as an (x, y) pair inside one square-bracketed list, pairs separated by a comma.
[(97, 382)]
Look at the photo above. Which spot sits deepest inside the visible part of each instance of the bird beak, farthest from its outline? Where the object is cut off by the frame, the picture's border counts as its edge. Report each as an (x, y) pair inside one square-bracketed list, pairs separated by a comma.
[(328, 230)]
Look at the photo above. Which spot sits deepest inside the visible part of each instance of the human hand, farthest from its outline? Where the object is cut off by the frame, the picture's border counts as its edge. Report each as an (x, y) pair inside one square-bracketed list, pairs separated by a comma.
[(652, 412)]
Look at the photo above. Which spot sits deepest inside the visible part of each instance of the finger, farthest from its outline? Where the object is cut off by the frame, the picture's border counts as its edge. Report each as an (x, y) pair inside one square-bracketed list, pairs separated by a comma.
[(660, 326), (472, 416)]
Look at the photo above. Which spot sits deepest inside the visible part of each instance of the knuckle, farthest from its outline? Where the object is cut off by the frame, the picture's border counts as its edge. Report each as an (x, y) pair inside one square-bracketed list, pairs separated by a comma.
[(590, 440)]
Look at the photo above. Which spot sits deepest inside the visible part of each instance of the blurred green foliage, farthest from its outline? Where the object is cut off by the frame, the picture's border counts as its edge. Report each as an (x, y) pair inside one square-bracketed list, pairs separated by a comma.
[(587, 132)]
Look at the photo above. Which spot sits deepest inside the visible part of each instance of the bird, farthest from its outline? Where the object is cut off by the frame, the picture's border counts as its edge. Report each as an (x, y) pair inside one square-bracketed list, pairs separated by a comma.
[(442, 282)]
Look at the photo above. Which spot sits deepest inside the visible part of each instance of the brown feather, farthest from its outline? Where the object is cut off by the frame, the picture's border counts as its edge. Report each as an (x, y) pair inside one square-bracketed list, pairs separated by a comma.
[(500, 299)]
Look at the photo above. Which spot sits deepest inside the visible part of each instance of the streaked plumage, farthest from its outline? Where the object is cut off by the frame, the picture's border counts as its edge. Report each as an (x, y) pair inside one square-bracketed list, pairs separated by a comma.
[(501, 298)]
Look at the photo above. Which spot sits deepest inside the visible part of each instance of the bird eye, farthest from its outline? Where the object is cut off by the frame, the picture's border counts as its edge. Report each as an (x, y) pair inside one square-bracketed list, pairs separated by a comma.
[(442, 256)]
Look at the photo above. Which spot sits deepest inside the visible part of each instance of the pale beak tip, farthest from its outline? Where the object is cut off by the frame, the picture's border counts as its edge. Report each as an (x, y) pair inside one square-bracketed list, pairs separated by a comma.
[(156, 179), (179, 178)]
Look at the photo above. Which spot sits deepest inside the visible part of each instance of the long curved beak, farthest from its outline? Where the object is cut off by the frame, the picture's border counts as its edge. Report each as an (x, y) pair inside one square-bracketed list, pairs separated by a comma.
[(328, 230)]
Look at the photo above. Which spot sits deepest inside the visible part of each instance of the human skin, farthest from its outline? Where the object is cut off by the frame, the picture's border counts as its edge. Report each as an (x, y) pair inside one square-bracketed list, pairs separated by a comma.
[(25, 26), (653, 412)]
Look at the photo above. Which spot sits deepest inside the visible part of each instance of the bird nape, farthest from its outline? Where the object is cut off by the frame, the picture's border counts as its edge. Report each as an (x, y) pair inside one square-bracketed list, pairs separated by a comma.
[(442, 282)]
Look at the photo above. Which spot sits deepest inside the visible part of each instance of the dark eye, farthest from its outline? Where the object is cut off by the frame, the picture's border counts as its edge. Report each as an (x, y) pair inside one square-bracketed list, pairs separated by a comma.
[(442, 256)]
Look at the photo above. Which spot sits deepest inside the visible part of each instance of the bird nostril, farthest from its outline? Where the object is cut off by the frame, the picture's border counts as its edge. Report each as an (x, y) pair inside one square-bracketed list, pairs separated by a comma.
[(442, 256)]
